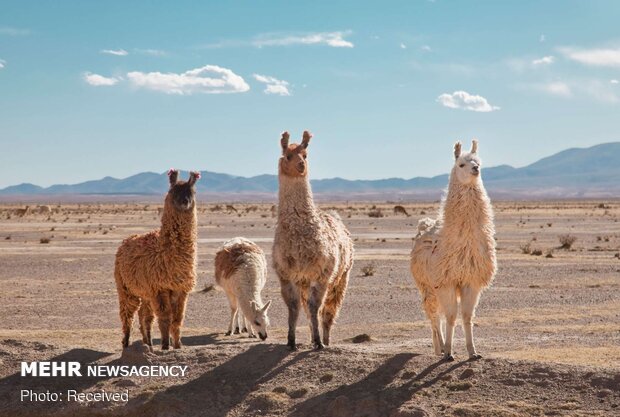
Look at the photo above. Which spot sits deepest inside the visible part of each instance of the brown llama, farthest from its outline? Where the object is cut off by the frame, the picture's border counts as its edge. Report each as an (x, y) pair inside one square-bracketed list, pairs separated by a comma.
[(312, 250), (156, 271)]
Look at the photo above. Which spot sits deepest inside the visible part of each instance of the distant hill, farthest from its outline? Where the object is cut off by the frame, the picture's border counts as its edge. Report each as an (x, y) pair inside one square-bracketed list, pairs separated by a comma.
[(575, 172)]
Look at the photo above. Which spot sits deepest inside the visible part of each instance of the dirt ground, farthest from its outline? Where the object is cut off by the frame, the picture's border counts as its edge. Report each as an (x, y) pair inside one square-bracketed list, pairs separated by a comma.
[(548, 328)]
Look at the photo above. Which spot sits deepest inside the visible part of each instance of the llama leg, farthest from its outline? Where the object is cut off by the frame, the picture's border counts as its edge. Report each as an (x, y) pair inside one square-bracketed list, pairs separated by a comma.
[(447, 300), (164, 317), (290, 294), (243, 323), (146, 322), (438, 341), (469, 301), (128, 305), (315, 301), (431, 308), (179, 302), (331, 307), (232, 301)]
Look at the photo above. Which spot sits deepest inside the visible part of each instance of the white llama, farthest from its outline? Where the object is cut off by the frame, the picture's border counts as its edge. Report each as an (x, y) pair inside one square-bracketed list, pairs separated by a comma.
[(453, 257), (241, 270)]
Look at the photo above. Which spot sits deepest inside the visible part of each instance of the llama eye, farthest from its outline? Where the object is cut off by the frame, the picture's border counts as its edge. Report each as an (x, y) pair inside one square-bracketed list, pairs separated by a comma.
[(305, 156), (462, 165), (288, 157), (257, 322)]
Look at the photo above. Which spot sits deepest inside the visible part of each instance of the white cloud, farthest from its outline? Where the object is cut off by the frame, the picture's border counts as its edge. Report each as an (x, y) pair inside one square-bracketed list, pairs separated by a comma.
[(426, 48), (333, 39), (151, 52), (11, 31), (403, 46), (601, 57), (556, 88), (464, 100), (117, 52), (273, 85), (99, 80), (194, 81), (546, 60), (614, 81), (2, 63), (542, 38)]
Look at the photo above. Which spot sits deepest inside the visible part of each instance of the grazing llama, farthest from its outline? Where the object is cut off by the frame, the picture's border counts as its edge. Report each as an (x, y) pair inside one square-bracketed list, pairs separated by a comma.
[(453, 257), (156, 271), (312, 250), (241, 270)]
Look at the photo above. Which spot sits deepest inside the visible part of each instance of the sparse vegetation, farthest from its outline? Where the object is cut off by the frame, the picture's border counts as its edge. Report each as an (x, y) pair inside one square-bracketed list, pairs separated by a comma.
[(368, 270), (375, 213), (45, 240), (526, 248), (567, 241)]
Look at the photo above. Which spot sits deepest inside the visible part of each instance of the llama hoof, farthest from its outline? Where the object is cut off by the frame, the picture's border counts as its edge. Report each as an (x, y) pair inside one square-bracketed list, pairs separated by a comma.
[(165, 348), (252, 336), (236, 331), (319, 346), (475, 357), (292, 346), (244, 330), (228, 333), (448, 358)]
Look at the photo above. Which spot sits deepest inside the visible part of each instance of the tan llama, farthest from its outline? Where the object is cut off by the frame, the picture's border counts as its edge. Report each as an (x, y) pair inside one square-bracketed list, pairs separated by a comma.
[(312, 250), (453, 258)]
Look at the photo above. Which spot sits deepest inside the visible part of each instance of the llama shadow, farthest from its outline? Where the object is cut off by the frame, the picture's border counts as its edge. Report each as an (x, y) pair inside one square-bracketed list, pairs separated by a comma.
[(12, 385), (198, 340), (219, 390), (375, 395)]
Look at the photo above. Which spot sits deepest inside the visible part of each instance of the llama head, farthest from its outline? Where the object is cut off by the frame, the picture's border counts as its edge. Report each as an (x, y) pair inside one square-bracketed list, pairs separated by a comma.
[(183, 193), (293, 161), (260, 321), (467, 165)]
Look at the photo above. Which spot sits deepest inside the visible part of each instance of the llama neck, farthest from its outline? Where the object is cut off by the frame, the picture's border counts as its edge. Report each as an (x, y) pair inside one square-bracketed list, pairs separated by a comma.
[(295, 197), (178, 229), (466, 207)]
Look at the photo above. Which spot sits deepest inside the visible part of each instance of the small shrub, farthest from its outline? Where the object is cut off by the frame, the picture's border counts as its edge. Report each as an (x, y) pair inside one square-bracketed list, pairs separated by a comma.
[(376, 213), (45, 240), (549, 254), (567, 241), (526, 248), (537, 252), (368, 270)]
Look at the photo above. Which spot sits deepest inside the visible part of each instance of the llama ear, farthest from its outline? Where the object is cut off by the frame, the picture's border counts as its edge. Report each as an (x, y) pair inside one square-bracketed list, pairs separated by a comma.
[(266, 307), (457, 150), (284, 141), (474, 146), (305, 140), (173, 176), (193, 177)]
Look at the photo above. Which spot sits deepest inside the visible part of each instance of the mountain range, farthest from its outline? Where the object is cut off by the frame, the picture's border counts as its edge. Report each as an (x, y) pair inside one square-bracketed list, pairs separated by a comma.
[(573, 173)]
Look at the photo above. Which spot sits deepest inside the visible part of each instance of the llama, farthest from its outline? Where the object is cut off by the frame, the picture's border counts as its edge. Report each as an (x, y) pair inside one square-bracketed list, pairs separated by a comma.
[(400, 210), (156, 271), (312, 250), (21, 212), (241, 270), (453, 258)]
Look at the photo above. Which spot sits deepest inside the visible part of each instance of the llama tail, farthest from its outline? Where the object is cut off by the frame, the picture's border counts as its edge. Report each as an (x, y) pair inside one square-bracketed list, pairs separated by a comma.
[(427, 226)]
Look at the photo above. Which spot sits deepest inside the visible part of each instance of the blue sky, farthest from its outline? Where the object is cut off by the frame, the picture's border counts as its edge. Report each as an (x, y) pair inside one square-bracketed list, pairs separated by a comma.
[(89, 89)]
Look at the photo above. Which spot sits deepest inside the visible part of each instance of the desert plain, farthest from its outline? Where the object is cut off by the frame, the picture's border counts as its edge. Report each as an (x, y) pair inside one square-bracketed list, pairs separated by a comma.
[(548, 328)]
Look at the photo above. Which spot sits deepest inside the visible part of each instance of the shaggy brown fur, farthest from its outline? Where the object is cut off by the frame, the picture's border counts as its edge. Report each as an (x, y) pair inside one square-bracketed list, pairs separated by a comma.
[(312, 250), (156, 271), (229, 258)]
